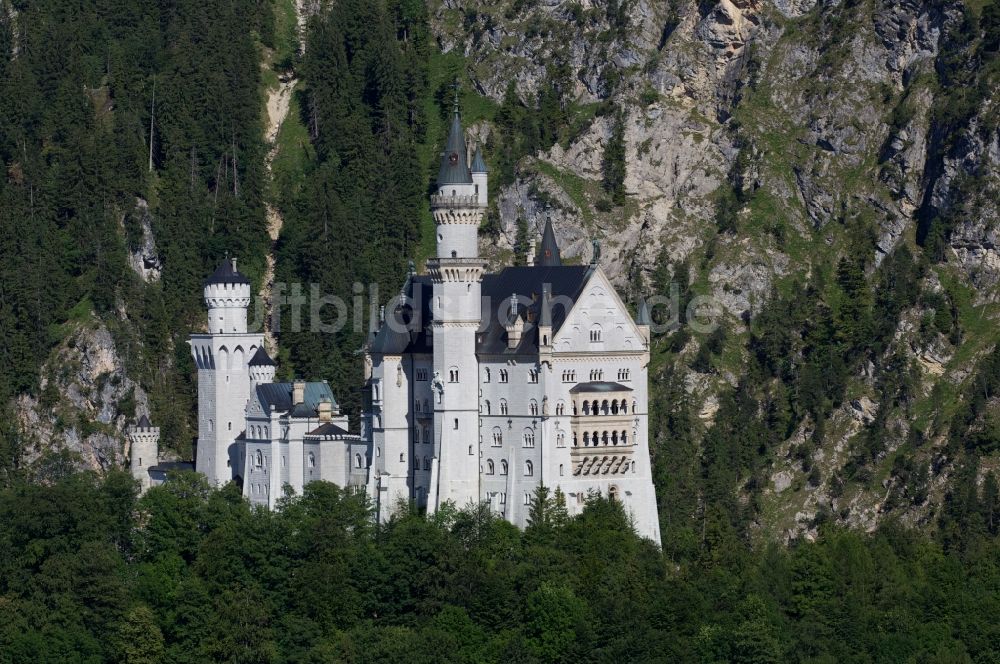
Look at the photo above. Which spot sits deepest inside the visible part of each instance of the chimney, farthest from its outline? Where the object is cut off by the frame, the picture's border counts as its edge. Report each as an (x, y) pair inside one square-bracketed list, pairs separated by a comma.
[(298, 392), (325, 411)]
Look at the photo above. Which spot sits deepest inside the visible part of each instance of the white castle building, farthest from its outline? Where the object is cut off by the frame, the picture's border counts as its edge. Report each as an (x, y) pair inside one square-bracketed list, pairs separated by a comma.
[(478, 386)]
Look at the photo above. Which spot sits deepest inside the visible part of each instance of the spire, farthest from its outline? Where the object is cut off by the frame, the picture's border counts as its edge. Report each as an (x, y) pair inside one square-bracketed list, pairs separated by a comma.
[(548, 252), (143, 423), (644, 317), (478, 163), (454, 160), (545, 317), (261, 359)]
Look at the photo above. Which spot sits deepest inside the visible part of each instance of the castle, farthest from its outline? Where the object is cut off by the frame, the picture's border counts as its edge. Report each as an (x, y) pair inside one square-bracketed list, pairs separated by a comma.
[(479, 387)]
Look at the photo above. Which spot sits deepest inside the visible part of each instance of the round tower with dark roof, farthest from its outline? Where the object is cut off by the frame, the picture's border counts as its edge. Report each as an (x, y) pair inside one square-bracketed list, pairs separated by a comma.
[(144, 452), (456, 275), (262, 368), (227, 296)]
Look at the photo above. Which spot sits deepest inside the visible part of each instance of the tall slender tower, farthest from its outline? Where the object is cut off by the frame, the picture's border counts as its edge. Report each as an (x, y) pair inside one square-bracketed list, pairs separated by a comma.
[(144, 451), (456, 274), (222, 357)]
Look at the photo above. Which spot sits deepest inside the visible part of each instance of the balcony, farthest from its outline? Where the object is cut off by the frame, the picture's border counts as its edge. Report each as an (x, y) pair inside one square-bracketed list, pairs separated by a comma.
[(439, 201)]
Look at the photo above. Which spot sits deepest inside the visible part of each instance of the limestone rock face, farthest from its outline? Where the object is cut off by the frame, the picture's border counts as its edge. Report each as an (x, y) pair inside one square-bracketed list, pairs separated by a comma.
[(142, 258), (86, 402), (761, 137)]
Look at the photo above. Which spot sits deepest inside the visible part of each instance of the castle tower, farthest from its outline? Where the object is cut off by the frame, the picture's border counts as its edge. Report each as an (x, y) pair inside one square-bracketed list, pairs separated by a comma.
[(222, 357), (456, 273), (144, 452), (479, 175)]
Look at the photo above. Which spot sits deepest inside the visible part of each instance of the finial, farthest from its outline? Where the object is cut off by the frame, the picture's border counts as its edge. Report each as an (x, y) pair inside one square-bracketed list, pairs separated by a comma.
[(455, 103)]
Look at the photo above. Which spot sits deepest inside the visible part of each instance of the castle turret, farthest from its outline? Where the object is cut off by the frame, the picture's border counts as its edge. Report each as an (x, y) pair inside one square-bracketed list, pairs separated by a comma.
[(222, 357), (262, 368), (144, 452), (548, 253), (456, 274)]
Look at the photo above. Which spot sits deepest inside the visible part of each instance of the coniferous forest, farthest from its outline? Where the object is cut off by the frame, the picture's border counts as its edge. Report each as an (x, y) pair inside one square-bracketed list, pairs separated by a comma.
[(114, 112)]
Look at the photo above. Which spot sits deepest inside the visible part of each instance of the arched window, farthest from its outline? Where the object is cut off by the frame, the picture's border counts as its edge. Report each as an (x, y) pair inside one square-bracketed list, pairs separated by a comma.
[(576, 443), (416, 463), (529, 469), (311, 460), (561, 439), (489, 466), (560, 408), (503, 375), (604, 438), (357, 460), (402, 458), (533, 407), (586, 438), (529, 438), (614, 407), (503, 467), (453, 375), (416, 434), (560, 470), (416, 405), (503, 406), (586, 408), (613, 493), (614, 437), (624, 437), (624, 406), (486, 406), (497, 437), (427, 463), (595, 333), (605, 409), (259, 459), (486, 375)]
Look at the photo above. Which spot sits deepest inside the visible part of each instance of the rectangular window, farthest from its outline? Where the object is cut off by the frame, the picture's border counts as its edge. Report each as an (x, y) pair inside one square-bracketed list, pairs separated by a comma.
[(421, 374), (456, 423)]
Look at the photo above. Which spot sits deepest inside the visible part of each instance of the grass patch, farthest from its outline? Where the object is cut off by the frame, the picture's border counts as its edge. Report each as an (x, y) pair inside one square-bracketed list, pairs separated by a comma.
[(571, 183), (293, 155)]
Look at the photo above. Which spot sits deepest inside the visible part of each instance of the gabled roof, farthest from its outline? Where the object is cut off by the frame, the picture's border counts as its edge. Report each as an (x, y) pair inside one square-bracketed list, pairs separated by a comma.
[(599, 386), (454, 160), (227, 274), (410, 328), (548, 252), (328, 429), (261, 359), (279, 395)]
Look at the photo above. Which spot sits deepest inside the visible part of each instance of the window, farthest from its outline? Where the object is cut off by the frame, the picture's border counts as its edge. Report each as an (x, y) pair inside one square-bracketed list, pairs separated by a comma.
[(529, 438), (453, 375), (503, 406), (357, 460), (486, 406), (533, 407), (282, 460), (486, 375), (527, 499), (503, 375), (560, 470), (230, 426), (416, 405), (416, 463), (455, 424), (624, 374), (402, 459), (503, 498), (416, 434), (259, 459), (596, 374), (497, 437), (561, 439), (533, 375), (595, 334), (503, 467), (427, 463), (311, 460), (421, 374), (560, 408), (489, 466), (568, 376)]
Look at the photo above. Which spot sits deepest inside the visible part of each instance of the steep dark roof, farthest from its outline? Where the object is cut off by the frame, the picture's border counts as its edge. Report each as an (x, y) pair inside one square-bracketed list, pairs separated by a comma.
[(411, 332), (548, 252), (478, 163), (227, 274), (454, 161), (328, 429), (261, 359), (143, 423), (279, 395), (599, 386)]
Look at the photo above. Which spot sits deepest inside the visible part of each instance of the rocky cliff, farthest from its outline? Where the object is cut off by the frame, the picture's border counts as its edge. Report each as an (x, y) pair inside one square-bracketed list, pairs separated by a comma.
[(764, 141)]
